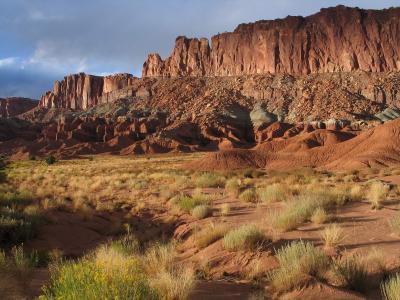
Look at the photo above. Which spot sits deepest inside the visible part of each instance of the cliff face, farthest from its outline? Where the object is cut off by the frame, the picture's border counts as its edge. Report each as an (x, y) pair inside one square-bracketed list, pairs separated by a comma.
[(81, 91), (11, 107), (333, 40)]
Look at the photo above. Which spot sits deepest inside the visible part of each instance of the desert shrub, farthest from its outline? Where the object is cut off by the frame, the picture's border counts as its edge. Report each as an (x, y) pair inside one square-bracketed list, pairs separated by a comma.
[(209, 235), (106, 274), (332, 235), (51, 160), (377, 193), (209, 180), (248, 195), (232, 186), (394, 223), (201, 211), (391, 288), (296, 261), (352, 272), (246, 237), (273, 193), (319, 216)]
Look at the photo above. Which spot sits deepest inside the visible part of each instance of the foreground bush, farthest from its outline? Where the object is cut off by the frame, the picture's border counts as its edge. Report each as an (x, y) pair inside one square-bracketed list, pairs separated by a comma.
[(107, 274), (391, 288), (246, 237), (119, 272), (188, 203), (332, 235), (296, 261)]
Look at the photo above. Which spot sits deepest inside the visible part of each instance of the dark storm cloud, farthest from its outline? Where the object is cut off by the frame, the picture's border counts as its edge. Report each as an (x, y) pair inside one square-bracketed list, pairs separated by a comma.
[(50, 38)]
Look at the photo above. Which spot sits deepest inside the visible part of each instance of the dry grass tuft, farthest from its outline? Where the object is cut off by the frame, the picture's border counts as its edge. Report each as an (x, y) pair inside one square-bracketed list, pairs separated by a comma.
[(247, 237), (332, 235), (210, 235), (378, 192)]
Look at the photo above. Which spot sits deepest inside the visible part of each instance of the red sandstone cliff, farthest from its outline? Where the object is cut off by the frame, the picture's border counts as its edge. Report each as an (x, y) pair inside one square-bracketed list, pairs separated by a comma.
[(81, 91), (335, 39), (11, 107)]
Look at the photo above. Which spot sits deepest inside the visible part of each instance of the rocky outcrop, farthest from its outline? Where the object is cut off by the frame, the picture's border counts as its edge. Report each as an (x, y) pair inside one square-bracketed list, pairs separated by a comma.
[(11, 107), (333, 40), (81, 91)]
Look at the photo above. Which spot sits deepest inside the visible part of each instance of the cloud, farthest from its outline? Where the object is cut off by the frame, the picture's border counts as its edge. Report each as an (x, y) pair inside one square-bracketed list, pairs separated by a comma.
[(52, 38), (9, 61)]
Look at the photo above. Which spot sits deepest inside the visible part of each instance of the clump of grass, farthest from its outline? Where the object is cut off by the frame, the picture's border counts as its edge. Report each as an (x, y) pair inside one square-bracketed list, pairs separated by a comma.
[(246, 237), (232, 186), (175, 285), (356, 193), (210, 235), (377, 193), (394, 223), (169, 280), (209, 180), (297, 261), (201, 211), (332, 235), (273, 193), (301, 208), (225, 209), (319, 216), (352, 272), (249, 195), (188, 203), (391, 288)]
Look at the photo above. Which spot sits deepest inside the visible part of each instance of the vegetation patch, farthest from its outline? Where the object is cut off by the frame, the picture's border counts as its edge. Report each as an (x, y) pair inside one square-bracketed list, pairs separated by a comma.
[(247, 237)]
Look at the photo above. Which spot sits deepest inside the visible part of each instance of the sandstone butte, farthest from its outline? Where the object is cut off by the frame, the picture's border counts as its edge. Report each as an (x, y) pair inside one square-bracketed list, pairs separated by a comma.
[(339, 39)]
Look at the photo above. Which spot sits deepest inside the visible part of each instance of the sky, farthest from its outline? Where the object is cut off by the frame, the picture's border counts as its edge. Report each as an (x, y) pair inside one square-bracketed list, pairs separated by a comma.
[(44, 40)]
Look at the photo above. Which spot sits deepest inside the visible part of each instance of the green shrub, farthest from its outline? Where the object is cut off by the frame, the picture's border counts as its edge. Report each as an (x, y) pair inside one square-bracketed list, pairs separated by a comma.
[(106, 274), (188, 203), (51, 160), (391, 288), (246, 237), (296, 260), (249, 195)]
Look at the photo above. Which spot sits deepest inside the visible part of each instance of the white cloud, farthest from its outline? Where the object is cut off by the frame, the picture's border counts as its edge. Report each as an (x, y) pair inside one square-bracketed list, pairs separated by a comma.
[(8, 61)]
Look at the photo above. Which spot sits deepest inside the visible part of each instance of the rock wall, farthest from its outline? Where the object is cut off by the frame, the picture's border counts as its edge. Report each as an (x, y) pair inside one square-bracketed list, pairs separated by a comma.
[(11, 107), (81, 91), (333, 40)]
